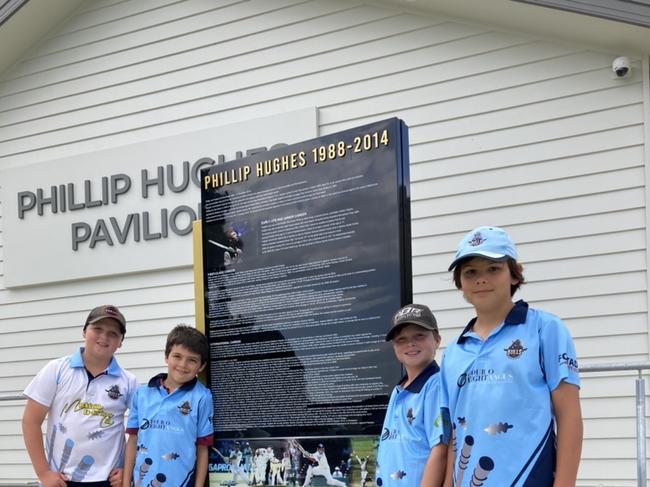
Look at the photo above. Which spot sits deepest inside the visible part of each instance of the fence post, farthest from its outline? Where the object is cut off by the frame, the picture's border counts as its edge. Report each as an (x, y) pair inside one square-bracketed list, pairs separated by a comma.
[(640, 431)]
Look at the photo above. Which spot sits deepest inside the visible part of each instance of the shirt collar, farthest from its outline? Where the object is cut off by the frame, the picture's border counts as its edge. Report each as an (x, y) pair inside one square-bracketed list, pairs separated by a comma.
[(157, 381), (421, 379), (516, 316), (77, 361)]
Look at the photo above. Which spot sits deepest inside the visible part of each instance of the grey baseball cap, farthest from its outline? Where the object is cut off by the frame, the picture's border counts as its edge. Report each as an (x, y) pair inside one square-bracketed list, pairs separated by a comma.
[(106, 311), (412, 314)]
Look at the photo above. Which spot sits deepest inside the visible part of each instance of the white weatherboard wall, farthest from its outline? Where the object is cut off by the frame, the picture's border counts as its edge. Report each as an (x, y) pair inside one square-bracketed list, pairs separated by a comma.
[(505, 129)]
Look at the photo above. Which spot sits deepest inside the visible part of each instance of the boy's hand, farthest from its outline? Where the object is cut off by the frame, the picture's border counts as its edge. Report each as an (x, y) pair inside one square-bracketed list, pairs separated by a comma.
[(115, 478), (53, 479)]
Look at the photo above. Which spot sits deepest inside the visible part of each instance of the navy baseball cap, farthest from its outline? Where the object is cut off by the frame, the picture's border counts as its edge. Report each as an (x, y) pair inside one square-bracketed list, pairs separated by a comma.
[(491, 243)]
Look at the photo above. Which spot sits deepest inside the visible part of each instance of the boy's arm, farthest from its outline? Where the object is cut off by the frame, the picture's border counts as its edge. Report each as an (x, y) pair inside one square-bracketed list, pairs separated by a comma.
[(129, 459), (201, 465), (434, 470), (131, 429), (449, 470), (437, 428), (33, 418), (566, 404)]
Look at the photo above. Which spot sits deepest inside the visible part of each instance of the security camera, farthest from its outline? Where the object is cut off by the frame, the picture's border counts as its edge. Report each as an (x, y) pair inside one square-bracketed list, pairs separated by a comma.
[(621, 67)]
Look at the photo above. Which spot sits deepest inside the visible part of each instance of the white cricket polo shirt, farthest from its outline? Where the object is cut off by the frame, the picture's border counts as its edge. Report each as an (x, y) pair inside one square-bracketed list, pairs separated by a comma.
[(85, 422)]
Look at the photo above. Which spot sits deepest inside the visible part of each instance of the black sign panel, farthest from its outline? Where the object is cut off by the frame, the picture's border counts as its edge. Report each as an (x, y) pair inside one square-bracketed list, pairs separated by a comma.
[(306, 256)]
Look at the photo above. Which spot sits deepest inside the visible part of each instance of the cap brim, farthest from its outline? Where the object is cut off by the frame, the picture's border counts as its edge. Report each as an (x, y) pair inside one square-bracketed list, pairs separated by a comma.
[(391, 333), (485, 255), (99, 318)]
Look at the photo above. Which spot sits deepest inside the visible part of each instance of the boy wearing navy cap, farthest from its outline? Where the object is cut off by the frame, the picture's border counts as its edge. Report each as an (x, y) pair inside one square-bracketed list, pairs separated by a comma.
[(415, 432), (84, 397), (510, 380)]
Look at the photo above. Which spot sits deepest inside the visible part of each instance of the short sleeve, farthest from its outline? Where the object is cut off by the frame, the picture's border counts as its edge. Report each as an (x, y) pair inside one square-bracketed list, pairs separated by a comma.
[(205, 427), (436, 422), (133, 422), (558, 354), (133, 387), (43, 386), (444, 393)]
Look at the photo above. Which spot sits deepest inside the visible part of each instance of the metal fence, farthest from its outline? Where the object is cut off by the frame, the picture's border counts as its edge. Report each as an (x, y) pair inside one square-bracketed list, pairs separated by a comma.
[(641, 473)]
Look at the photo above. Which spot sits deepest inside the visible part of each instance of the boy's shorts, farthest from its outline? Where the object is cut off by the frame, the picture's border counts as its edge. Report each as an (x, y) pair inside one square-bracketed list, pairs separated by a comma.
[(103, 483)]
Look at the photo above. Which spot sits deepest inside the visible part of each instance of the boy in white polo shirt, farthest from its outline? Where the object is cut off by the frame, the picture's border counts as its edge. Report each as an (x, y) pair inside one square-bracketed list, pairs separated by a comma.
[(84, 397)]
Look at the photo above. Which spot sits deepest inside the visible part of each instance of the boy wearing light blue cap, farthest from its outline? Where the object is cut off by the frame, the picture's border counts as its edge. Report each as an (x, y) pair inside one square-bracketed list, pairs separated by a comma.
[(510, 380)]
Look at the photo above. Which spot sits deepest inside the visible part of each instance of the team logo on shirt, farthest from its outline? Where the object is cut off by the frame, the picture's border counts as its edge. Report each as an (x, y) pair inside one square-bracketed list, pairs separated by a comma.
[(570, 362), (114, 392), (185, 408), (389, 435), (477, 239), (90, 409), (159, 424), (409, 416), (488, 376), (515, 350)]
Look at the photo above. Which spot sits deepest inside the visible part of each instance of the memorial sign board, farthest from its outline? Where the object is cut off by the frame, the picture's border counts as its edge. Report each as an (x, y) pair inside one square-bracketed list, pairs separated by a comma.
[(306, 256)]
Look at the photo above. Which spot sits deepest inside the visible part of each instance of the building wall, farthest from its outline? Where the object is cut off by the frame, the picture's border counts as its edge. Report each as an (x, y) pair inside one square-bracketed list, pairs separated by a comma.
[(506, 129)]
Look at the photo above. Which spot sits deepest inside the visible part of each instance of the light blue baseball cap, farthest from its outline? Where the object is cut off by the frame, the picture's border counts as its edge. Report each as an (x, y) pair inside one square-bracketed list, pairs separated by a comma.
[(491, 243)]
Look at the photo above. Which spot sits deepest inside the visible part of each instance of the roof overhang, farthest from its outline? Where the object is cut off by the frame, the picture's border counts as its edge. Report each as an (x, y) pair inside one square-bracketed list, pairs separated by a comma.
[(30, 21), (24, 23), (10, 7), (556, 24), (636, 12)]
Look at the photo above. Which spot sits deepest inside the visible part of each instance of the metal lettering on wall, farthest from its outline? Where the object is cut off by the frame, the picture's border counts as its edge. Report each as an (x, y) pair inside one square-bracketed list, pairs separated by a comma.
[(130, 206), (306, 258)]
